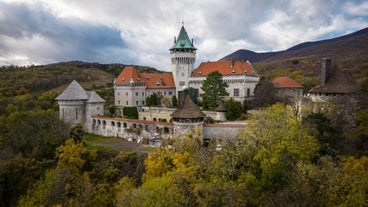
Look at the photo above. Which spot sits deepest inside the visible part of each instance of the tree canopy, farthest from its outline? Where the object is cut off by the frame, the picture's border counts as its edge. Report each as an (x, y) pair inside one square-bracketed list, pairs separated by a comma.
[(214, 90)]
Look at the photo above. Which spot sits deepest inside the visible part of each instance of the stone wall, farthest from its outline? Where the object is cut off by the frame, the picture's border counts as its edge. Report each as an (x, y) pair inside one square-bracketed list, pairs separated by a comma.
[(222, 131), (130, 129)]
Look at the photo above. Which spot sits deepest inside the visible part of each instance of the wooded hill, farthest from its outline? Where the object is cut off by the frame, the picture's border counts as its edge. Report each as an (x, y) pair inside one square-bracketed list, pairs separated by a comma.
[(16, 80), (302, 62)]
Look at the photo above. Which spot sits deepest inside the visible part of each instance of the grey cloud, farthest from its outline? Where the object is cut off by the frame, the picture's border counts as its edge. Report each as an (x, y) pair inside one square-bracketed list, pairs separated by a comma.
[(85, 41)]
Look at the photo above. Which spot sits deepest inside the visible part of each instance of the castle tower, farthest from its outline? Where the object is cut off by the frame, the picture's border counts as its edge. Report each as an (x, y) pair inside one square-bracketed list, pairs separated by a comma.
[(183, 55), (77, 105), (187, 117)]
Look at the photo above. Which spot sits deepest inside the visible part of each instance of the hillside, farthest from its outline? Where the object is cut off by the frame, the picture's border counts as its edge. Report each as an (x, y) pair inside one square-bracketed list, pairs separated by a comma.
[(350, 52), (36, 79)]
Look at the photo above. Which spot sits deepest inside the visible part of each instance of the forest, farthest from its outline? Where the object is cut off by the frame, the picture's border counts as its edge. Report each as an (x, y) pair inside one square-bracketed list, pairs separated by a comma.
[(279, 159)]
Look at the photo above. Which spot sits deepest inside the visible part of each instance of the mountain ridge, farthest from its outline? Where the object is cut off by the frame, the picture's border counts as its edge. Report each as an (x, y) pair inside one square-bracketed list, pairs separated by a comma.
[(355, 43)]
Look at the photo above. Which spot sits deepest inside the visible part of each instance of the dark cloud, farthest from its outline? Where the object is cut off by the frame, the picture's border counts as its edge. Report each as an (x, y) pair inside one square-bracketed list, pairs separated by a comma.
[(78, 39)]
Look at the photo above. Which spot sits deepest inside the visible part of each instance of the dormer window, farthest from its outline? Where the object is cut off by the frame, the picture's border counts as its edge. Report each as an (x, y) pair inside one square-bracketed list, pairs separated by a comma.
[(157, 83)]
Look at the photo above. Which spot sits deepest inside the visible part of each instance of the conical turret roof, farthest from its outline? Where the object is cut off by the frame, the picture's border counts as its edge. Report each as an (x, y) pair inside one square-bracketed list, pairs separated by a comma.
[(188, 111), (73, 92), (183, 41)]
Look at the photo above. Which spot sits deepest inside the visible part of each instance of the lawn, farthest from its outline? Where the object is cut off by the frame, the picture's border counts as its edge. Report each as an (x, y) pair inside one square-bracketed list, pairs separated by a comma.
[(113, 144)]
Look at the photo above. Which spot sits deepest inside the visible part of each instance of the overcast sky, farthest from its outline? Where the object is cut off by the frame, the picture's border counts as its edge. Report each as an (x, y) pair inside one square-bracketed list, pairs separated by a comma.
[(140, 32)]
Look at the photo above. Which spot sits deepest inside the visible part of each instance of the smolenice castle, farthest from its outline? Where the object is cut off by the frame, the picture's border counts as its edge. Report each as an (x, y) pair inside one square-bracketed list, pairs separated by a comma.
[(132, 87)]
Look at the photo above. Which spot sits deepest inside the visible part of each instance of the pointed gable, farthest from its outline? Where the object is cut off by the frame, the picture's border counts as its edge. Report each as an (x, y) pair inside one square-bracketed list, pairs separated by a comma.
[(338, 82), (127, 75), (73, 92), (183, 41), (152, 80), (285, 82), (226, 67)]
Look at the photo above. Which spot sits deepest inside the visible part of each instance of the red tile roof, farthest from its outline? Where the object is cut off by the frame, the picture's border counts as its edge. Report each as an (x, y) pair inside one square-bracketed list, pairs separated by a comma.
[(152, 80), (225, 68), (285, 82)]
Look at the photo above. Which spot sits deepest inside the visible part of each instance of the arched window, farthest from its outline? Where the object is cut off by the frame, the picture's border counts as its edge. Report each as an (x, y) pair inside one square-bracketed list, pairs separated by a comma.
[(125, 125)]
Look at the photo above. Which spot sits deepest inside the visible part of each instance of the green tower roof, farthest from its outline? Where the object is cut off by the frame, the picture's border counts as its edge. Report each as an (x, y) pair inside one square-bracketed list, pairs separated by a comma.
[(183, 41)]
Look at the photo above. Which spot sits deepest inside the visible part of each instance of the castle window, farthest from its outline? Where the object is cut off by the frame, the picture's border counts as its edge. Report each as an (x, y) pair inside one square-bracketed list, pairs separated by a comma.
[(118, 93), (248, 92), (76, 113), (136, 103), (136, 93), (127, 103), (236, 91), (112, 123), (126, 93), (182, 74), (142, 102), (142, 93), (170, 93), (181, 83)]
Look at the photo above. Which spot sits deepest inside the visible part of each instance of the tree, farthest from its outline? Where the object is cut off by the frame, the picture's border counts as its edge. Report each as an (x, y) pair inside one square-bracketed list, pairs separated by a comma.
[(174, 101), (76, 133), (69, 183), (130, 112), (264, 94), (360, 133), (233, 109), (191, 92), (112, 110), (152, 100), (323, 131), (214, 89)]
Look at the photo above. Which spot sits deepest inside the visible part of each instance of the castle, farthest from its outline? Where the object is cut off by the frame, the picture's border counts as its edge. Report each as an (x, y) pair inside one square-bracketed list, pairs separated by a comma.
[(131, 87)]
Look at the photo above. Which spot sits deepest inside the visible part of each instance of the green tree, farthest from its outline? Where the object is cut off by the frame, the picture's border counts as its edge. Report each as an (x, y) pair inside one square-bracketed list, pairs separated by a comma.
[(214, 90), (233, 109), (264, 94), (174, 101), (323, 130), (152, 100), (69, 183), (130, 112), (191, 92), (35, 133), (76, 133), (112, 110), (360, 133)]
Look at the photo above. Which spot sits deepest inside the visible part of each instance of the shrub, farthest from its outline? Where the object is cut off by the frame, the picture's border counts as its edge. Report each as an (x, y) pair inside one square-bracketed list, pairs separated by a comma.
[(130, 112)]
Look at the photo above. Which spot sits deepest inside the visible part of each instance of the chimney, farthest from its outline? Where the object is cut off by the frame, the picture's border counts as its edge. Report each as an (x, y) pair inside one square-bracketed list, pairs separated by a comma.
[(181, 97), (325, 70), (174, 39)]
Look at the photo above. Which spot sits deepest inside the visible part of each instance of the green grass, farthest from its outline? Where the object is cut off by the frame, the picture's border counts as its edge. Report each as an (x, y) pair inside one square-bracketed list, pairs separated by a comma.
[(111, 144), (99, 142)]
